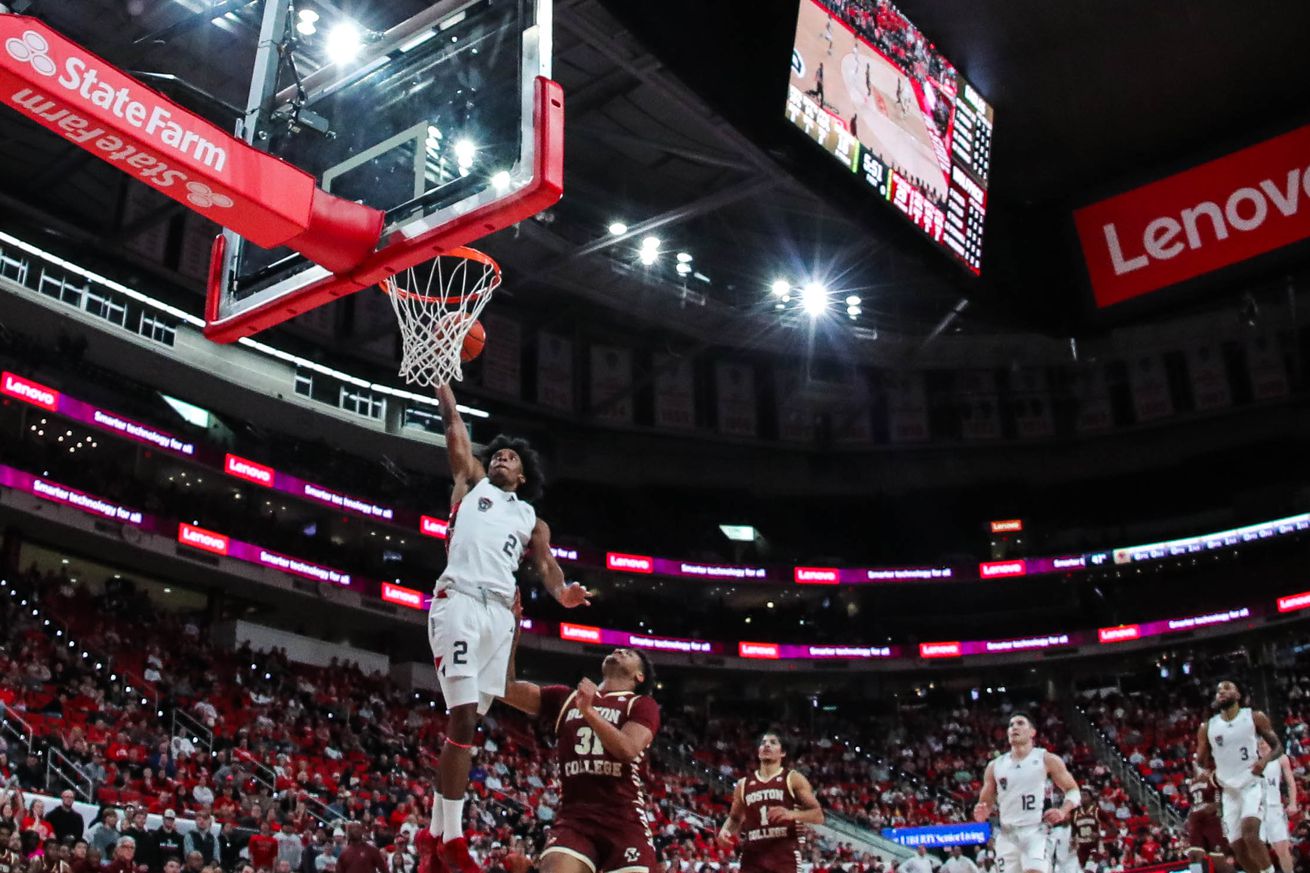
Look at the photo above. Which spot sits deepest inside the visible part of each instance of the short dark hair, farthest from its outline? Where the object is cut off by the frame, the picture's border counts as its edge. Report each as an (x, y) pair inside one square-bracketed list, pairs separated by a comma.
[(1023, 714), (776, 734), (647, 683), (1236, 684), (533, 475)]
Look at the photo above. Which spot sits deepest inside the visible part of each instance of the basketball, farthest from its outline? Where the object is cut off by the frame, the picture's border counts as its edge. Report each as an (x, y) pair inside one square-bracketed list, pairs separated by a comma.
[(473, 342)]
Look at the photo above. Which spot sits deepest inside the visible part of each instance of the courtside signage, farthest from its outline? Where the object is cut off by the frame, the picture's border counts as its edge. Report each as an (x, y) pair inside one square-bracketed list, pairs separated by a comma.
[(941, 835), (1220, 213)]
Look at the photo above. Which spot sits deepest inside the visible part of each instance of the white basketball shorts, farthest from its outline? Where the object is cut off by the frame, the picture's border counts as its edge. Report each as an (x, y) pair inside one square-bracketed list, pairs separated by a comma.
[(1242, 803), (1024, 849), (1276, 824), (470, 638)]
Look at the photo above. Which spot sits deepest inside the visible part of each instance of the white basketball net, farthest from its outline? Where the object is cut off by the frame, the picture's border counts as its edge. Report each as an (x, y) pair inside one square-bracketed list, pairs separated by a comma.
[(437, 304)]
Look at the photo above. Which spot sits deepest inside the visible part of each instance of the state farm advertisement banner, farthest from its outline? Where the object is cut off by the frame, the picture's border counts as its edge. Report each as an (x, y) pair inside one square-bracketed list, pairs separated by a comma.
[(92, 104), (1222, 212)]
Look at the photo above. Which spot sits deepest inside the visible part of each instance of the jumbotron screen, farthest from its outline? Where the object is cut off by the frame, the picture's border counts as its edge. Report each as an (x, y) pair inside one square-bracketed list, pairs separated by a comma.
[(873, 91)]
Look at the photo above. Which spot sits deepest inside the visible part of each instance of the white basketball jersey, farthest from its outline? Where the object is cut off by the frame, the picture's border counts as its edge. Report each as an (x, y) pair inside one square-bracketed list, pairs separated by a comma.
[(1274, 784), (1020, 788), (1233, 745), (489, 531)]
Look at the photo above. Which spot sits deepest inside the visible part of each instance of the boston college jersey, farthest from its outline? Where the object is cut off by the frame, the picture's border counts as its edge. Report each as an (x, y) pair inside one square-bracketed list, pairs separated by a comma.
[(593, 780), (1020, 788), (489, 531), (764, 845), (1202, 791), (1086, 826), (1232, 743)]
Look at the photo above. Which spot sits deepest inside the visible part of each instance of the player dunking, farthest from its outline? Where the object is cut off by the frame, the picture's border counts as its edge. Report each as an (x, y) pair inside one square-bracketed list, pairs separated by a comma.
[(1277, 774), (602, 734), (1227, 743), (471, 623), (768, 806), (1015, 783), (1205, 832)]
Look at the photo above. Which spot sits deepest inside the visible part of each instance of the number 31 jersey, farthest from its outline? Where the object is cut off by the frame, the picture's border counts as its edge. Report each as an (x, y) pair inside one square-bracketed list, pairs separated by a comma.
[(1020, 788), (489, 531), (592, 780)]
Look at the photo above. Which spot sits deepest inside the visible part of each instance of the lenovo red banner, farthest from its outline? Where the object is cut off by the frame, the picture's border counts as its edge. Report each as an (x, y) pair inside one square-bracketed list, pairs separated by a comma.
[(1222, 212)]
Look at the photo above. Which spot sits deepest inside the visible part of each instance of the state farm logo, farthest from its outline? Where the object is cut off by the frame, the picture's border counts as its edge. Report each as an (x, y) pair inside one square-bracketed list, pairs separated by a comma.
[(200, 194), (1229, 210), (33, 49)]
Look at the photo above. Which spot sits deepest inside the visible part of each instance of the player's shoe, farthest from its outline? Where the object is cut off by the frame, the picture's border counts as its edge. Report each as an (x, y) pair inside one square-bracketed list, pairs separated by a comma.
[(455, 854), (429, 856)]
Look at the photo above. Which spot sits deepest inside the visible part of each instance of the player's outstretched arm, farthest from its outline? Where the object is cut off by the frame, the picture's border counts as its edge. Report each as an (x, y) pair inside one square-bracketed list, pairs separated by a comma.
[(1203, 754), (1289, 779), (1266, 732), (464, 467), (1063, 779), (523, 696), (727, 835), (982, 810), (569, 594), (807, 812)]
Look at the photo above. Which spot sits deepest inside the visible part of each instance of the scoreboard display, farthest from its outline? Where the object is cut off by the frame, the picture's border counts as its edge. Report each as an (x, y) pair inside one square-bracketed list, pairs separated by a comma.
[(868, 87)]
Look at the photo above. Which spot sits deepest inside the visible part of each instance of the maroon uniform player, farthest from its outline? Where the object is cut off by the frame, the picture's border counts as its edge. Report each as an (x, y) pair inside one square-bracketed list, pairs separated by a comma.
[(770, 808), (1205, 832), (602, 734), (1086, 823)]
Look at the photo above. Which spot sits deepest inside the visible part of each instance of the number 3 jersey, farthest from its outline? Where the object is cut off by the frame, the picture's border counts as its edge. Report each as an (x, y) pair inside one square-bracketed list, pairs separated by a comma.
[(489, 531), (591, 779), (1020, 788)]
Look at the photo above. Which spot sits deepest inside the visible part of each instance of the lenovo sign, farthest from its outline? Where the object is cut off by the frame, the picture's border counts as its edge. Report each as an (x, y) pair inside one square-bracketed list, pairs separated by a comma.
[(1223, 212)]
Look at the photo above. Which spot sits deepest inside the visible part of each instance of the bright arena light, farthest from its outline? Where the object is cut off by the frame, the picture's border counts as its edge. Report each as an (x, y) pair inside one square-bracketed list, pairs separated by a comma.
[(650, 243), (683, 269), (500, 181), (464, 152), (343, 43), (684, 258), (306, 27), (308, 15), (853, 300), (648, 256), (618, 228), (814, 299), (780, 287)]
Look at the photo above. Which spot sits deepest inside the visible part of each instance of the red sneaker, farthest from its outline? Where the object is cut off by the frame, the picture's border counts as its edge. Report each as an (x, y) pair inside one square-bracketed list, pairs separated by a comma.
[(429, 858), (455, 854)]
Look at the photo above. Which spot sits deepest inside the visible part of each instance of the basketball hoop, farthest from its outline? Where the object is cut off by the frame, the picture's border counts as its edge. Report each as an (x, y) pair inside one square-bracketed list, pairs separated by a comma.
[(437, 304)]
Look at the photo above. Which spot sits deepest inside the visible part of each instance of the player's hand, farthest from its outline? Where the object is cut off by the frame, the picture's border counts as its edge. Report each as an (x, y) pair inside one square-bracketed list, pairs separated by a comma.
[(1055, 816), (1293, 809), (777, 815), (517, 609), (726, 842), (982, 811), (573, 594), (1258, 768), (586, 694)]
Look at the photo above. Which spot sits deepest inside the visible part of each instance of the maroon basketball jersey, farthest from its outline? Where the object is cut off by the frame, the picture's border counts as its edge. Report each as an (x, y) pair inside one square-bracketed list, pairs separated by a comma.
[(590, 777), (1202, 791), (1086, 825), (764, 845)]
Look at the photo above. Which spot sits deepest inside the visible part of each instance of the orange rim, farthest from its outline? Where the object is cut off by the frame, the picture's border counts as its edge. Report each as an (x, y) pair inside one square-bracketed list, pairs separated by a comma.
[(388, 286)]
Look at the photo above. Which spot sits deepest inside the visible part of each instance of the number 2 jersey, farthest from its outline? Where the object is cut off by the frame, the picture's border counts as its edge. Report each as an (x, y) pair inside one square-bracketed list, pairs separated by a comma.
[(489, 531), (765, 846), (592, 781)]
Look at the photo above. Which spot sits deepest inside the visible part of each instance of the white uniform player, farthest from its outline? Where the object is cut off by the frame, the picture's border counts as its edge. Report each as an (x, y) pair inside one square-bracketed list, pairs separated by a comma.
[(472, 621), (1022, 841), (1063, 857), (1275, 830), (471, 635), (1233, 745), (1015, 784)]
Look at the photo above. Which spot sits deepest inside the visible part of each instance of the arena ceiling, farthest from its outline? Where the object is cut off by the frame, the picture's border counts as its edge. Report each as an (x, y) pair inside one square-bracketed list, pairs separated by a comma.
[(675, 127)]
